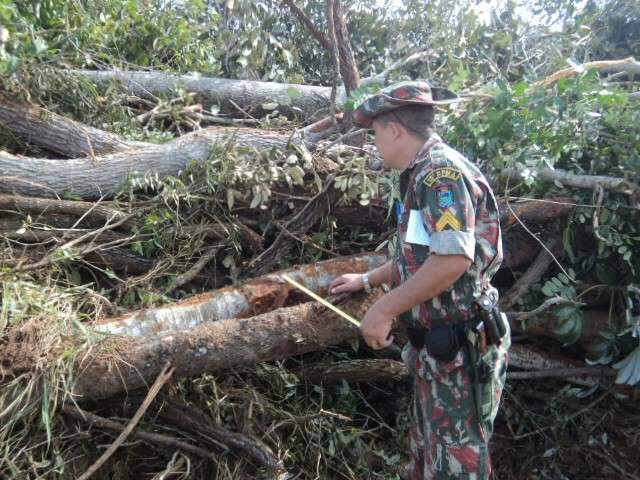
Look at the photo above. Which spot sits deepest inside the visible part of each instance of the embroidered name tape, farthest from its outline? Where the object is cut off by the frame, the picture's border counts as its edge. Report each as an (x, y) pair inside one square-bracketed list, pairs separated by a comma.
[(440, 173)]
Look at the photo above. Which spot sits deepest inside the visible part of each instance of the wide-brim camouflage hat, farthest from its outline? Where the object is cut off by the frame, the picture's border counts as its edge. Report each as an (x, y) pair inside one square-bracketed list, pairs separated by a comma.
[(398, 95)]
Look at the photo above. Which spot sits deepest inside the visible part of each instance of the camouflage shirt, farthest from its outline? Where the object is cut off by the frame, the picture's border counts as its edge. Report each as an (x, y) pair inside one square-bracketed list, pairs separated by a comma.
[(447, 208)]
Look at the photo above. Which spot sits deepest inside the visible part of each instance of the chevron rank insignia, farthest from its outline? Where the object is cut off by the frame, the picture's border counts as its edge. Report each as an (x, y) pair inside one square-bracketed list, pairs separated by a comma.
[(448, 221)]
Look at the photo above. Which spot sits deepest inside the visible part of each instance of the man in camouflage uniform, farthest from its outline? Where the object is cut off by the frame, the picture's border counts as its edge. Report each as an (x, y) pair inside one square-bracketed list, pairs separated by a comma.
[(448, 248)]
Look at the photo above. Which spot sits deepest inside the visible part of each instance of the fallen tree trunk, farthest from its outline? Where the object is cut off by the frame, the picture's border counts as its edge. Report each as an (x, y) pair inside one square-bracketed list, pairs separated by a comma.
[(215, 346), (100, 177), (535, 363), (253, 297), (59, 134), (570, 179), (534, 211), (292, 99)]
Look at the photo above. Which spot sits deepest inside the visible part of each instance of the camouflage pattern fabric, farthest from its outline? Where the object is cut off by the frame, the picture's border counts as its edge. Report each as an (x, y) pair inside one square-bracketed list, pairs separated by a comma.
[(448, 442), (459, 213), (399, 95), (448, 208)]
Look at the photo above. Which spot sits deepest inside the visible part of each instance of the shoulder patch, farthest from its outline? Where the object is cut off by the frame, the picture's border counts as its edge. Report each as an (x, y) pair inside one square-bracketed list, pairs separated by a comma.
[(439, 174)]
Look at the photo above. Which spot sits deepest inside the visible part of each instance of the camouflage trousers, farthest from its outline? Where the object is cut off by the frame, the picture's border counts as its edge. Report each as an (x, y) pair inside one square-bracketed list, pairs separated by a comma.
[(448, 442)]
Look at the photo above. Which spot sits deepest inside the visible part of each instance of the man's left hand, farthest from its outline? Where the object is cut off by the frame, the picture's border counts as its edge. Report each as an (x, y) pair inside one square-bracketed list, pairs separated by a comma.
[(376, 327)]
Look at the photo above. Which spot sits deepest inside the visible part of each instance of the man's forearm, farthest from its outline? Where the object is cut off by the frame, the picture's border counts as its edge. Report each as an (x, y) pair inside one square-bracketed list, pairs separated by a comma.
[(381, 275), (435, 276)]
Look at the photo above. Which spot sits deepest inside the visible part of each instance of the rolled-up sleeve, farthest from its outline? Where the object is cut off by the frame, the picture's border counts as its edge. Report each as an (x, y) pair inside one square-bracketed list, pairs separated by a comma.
[(448, 207)]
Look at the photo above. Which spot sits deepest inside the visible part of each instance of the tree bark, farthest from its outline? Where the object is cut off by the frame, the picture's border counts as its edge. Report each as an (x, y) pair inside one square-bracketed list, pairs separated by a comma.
[(99, 214), (579, 181), (533, 274), (534, 211), (215, 346), (253, 297), (536, 364), (91, 178), (348, 67), (221, 92), (59, 134)]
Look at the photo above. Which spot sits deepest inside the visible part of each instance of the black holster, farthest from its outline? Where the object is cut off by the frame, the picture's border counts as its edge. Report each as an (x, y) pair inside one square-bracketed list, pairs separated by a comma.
[(442, 343)]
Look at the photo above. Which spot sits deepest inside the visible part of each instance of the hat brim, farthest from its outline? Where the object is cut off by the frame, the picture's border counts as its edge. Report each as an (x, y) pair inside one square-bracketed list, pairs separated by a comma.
[(439, 96)]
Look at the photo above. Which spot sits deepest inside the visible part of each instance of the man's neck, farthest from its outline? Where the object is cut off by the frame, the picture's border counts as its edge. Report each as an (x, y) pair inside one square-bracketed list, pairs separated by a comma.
[(411, 151)]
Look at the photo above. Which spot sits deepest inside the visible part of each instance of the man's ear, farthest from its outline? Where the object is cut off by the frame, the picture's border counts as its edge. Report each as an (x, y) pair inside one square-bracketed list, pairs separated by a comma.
[(396, 130)]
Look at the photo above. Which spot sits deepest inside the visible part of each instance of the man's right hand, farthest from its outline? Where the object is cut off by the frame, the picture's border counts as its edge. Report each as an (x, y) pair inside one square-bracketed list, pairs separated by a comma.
[(349, 282)]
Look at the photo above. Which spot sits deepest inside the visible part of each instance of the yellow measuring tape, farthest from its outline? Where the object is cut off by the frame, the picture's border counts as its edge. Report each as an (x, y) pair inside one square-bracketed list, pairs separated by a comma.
[(344, 315)]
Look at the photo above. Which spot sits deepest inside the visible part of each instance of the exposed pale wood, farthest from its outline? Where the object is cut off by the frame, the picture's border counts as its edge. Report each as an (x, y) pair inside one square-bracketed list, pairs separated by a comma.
[(252, 297), (213, 346), (629, 65)]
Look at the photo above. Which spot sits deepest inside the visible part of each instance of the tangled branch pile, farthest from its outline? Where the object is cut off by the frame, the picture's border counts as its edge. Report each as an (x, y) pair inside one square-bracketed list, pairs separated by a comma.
[(146, 218)]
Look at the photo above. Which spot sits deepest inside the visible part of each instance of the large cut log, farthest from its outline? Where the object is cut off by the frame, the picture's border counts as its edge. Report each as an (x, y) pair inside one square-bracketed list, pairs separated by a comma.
[(57, 133), (215, 346), (255, 296), (91, 178), (221, 92)]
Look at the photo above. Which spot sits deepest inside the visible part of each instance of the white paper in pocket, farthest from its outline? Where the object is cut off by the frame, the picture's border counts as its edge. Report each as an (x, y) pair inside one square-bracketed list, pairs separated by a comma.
[(416, 233)]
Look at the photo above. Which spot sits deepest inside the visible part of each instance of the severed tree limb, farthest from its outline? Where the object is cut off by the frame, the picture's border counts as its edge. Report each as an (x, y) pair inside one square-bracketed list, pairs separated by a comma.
[(535, 210), (629, 65), (59, 134), (153, 438), (97, 212), (187, 416), (251, 297), (50, 258), (219, 92), (213, 346), (164, 375), (355, 371), (193, 272), (102, 177), (528, 358), (533, 274), (563, 373), (382, 77), (579, 181), (385, 370)]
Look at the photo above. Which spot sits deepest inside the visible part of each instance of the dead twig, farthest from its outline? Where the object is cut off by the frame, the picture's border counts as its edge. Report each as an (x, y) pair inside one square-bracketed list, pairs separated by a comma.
[(155, 438), (164, 375)]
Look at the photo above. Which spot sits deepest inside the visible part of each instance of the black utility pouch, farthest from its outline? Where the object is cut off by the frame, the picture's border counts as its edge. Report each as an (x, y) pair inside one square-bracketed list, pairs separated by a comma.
[(443, 343)]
